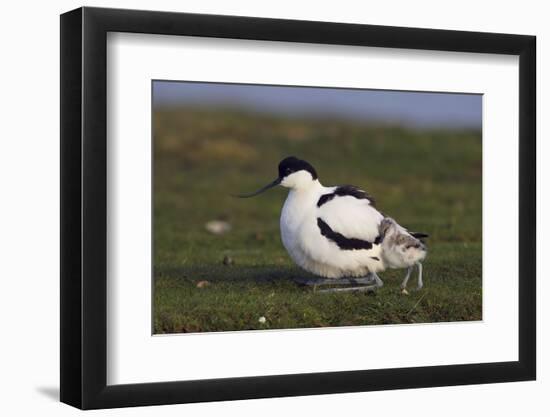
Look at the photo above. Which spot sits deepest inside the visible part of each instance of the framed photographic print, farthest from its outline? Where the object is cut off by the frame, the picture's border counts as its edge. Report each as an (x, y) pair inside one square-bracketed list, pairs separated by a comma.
[(258, 207)]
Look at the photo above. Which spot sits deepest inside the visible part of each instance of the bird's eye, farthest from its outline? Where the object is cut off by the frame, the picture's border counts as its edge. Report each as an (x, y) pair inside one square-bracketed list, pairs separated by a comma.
[(288, 170)]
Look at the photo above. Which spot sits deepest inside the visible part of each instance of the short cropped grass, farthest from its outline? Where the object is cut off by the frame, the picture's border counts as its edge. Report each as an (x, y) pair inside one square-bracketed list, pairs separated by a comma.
[(429, 180)]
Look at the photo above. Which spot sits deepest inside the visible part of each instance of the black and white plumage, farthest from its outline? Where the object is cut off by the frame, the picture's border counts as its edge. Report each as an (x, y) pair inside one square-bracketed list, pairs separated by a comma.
[(333, 232)]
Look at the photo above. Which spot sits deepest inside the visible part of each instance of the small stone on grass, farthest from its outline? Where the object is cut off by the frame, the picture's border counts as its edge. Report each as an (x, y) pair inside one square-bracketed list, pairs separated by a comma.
[(217, 227)]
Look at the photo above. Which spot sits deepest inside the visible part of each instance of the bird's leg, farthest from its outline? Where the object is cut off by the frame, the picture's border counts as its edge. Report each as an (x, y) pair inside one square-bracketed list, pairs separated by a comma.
[(367, 288), (312, 282), (365, 280), (420, 283), (406, 279), (379, 282)]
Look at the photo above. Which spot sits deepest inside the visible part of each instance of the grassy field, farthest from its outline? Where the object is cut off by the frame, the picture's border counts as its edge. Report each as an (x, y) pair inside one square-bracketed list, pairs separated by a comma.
[(428, 180)]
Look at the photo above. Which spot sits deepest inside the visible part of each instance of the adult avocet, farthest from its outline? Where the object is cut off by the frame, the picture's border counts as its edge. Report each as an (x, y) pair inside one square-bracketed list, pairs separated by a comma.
[(333, 232)]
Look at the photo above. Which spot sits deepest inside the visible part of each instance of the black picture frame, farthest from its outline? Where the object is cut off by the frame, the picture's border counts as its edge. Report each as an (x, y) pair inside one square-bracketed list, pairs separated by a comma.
[(84, 207)]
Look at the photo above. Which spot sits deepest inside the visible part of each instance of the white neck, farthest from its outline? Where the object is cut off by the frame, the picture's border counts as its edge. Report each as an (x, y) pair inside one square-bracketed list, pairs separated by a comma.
[(307, 187)]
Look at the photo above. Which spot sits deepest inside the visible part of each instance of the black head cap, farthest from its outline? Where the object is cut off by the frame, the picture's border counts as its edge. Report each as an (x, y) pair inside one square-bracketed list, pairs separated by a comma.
[(292, 164)]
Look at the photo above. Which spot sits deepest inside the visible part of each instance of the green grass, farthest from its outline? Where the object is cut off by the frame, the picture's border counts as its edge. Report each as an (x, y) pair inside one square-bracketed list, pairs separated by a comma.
[(428, 180)]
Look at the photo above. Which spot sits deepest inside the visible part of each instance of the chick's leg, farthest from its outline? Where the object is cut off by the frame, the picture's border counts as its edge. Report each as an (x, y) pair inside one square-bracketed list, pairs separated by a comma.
[(406, 279), (420, 283)]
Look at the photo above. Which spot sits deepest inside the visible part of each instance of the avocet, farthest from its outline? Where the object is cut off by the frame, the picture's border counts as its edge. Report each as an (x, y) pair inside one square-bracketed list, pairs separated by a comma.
[(337, 232)]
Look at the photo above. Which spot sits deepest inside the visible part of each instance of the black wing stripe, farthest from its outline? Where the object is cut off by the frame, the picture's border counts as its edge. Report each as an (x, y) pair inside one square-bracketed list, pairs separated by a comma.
[(325, 198), (419, 235), (342, 241), (344, 190)]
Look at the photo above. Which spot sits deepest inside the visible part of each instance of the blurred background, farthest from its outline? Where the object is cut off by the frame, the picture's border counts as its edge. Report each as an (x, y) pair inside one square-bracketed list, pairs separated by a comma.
[(413, 109), (219, 262)]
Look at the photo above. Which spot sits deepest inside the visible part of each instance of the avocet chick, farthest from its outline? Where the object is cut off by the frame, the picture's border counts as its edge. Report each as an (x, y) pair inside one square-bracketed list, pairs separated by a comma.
[(402, 249)]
